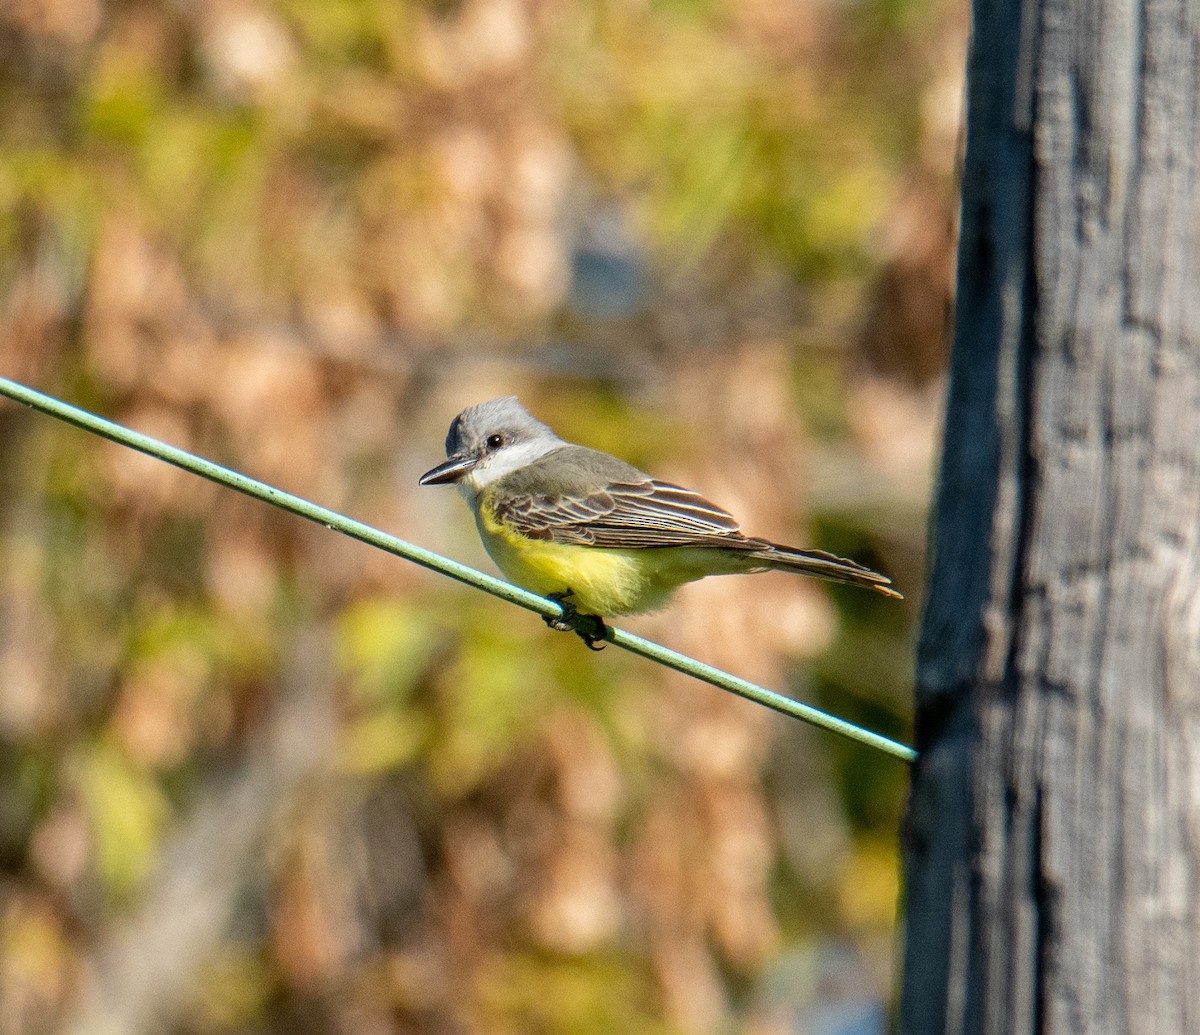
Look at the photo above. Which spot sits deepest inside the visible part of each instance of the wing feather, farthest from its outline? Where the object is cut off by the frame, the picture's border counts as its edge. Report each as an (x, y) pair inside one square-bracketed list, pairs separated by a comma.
[(624, 515)]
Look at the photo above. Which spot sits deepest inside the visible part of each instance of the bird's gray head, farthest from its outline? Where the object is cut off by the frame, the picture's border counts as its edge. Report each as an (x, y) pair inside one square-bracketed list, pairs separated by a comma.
[(487, 441)]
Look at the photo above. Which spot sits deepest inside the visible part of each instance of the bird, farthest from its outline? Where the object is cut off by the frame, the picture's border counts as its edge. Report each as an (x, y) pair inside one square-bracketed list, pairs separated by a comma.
[(594, 533)]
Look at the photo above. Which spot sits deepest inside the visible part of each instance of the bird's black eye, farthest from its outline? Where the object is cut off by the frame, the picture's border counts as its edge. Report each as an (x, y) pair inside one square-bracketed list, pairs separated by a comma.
[(495, 441)]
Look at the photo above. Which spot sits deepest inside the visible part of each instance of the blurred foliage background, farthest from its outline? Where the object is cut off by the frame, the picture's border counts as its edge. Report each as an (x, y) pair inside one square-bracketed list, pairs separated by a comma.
[(256, 778)]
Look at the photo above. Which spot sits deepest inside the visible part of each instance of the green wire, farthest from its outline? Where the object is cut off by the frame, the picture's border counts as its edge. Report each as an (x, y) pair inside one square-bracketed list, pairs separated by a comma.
[(428, 559)]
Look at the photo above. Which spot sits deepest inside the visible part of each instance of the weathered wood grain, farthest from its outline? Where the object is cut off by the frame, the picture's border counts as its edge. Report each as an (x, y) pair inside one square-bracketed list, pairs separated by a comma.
[(1053, 836)]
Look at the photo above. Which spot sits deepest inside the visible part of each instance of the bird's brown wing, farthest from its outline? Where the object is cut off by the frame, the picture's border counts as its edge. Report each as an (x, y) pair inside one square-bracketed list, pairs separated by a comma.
[(646, 514), (625, 516)]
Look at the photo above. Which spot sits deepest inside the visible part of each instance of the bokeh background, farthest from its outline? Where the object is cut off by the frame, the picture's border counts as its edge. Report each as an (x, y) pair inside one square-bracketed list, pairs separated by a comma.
[(258, 778)]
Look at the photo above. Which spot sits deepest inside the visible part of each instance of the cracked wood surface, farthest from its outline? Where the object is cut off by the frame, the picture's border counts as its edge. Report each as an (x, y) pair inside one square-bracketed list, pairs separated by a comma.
[(1053, 836)]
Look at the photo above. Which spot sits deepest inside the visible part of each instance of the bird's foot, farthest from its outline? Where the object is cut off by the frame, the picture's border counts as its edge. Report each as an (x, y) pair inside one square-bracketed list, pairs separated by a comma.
[(589, 628)]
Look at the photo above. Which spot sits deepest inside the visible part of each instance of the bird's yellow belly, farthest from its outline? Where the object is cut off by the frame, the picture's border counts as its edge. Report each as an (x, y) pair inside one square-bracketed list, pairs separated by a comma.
[(601, 581)]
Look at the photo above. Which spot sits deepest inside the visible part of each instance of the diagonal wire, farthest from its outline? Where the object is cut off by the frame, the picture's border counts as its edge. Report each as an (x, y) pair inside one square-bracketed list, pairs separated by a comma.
[(428, 559)]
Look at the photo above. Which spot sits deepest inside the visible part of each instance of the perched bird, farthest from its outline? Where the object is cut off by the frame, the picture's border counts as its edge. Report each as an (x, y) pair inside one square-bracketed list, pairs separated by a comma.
[(595, 533)]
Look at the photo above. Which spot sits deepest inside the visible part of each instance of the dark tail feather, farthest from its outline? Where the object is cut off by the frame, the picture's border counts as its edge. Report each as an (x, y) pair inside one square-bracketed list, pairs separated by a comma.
[(823, 565)]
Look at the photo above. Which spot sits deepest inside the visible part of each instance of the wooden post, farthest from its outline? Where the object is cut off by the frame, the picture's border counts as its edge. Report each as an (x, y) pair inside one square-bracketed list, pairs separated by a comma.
[(1053, 838)]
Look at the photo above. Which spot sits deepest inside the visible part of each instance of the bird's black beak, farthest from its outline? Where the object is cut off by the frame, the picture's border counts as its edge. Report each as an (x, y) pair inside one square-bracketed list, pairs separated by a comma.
[(450, 471)]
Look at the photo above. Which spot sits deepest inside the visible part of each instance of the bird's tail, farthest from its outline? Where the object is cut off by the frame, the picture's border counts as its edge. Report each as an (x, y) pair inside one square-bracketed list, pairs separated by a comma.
[(823, 565)]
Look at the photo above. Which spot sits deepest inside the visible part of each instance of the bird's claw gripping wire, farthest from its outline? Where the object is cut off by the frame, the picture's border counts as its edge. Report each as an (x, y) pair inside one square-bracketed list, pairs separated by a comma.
[(589, 628)]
